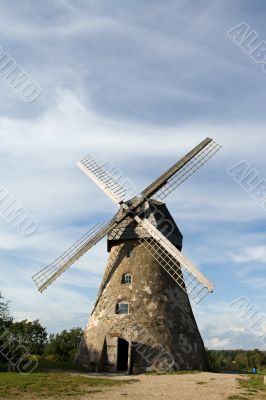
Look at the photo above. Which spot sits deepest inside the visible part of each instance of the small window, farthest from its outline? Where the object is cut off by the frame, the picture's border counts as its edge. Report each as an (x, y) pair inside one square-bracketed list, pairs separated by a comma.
[(122, 308), (127, 279), (130, 253)]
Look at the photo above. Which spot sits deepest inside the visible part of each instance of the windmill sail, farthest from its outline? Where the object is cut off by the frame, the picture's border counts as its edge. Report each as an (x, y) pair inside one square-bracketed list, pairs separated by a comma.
[(49, 274), (182, 170), (178, 266), (103, 179)]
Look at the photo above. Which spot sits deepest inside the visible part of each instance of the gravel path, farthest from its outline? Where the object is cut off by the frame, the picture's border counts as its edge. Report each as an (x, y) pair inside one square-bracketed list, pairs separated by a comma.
[(205, 386)]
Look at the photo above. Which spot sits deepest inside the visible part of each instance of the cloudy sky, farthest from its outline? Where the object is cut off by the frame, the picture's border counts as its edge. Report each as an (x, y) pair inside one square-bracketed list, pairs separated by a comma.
[(138, 83)]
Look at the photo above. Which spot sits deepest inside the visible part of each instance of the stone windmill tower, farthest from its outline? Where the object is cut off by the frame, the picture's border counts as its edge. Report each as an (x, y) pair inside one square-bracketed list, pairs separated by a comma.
[(142, 319)]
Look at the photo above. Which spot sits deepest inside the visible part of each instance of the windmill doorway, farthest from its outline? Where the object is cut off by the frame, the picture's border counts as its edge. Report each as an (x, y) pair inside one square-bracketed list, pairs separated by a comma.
[(122, 355)]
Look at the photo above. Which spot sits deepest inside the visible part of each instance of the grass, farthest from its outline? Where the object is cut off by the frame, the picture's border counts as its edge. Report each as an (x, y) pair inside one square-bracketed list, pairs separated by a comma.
[(253, 387), (254, 384), (56, 365), (52, 385)]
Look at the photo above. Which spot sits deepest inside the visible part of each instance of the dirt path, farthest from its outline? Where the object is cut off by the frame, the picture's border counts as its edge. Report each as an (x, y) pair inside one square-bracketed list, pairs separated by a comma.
[(200, 386)]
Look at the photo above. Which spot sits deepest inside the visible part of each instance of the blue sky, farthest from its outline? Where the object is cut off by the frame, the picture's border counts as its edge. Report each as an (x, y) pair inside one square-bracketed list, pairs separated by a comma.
[(139, 83)]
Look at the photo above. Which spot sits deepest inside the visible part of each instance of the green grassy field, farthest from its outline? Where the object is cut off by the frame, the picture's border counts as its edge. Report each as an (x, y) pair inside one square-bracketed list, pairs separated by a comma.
[(253, 388), (56, 365), (52, 385)]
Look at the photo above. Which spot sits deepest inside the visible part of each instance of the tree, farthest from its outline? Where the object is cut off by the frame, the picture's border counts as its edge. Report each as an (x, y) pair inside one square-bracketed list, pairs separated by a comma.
[(32, 335), (237, 359), (5, 322), (241, 360), (256, 359), (63, 346), (5, 319)]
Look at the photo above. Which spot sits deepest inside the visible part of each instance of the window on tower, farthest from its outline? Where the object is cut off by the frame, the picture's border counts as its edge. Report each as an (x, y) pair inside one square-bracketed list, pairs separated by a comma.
[(127, 279), (122, 308)]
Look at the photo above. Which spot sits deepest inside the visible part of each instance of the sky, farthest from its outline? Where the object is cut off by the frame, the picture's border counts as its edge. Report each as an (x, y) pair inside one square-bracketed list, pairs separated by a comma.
[(137, 84)]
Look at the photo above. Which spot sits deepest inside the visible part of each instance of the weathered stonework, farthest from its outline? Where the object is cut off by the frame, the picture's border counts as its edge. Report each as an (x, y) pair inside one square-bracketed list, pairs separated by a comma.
[(160, 331)]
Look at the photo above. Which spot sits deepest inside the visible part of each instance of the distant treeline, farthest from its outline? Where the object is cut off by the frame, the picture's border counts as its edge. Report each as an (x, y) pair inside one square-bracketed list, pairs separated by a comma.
[(63, 346), (30, 337), (237, 359)]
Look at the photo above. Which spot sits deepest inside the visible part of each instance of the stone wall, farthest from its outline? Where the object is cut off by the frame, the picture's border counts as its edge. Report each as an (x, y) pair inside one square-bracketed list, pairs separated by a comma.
[(160, 326)]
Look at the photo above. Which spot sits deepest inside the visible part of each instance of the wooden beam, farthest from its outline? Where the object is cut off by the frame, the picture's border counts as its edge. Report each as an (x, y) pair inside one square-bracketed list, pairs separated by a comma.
[(161, 181)]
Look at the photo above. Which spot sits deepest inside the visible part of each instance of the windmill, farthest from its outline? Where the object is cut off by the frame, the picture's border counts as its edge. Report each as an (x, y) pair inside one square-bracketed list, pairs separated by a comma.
[(142, 318)]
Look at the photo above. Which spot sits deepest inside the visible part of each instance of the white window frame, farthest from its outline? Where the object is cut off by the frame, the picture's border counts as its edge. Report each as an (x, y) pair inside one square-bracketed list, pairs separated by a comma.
[(124, 278), (122, 303)]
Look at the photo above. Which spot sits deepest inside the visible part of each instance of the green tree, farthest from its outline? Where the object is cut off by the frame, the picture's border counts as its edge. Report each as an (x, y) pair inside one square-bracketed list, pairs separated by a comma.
[(30, 334), (63, 346), (237, 359), (5, 318), (5, 322), (256, 359), (241, 360)]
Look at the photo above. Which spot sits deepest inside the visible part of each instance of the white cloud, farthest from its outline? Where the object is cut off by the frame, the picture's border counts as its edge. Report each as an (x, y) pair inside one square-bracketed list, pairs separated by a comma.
[(239, 329), (256, 253), (217, 343), (223, 329)]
